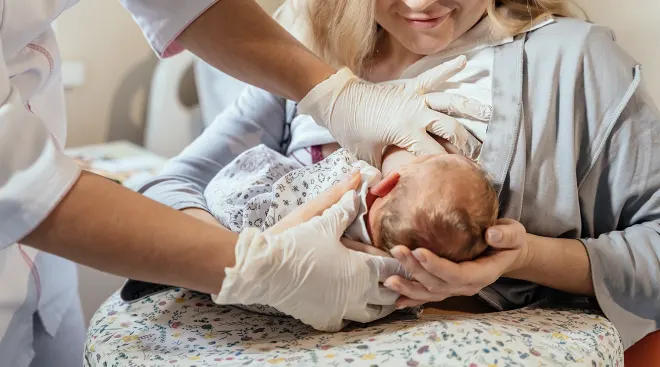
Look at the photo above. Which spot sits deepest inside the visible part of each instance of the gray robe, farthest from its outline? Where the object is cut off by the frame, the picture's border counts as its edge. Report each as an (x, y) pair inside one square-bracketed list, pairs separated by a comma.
[(574, 150), (573, 147)]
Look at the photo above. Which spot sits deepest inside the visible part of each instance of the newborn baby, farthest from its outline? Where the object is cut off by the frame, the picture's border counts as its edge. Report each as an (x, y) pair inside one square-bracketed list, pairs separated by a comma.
[(441, 202)]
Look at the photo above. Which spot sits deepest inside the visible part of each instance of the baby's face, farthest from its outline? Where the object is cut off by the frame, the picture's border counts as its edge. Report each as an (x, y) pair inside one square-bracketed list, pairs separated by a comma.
[(424, 176)]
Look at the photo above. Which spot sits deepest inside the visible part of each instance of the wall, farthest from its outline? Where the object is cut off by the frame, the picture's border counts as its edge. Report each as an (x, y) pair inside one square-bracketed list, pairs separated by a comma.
[(103, 37), (637, 27), (270, 5)]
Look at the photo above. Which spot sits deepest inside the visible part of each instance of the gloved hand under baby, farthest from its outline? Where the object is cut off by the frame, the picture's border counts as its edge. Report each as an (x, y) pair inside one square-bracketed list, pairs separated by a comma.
[(440, 202)]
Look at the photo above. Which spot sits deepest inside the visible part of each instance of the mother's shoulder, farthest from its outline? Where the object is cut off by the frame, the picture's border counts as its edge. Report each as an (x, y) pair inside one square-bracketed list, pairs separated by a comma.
[(570, 38), (567, 32), (575, 26)]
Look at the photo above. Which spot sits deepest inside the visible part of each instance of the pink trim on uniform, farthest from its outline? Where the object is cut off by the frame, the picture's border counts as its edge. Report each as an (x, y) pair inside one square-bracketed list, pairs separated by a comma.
[(317, 153), (47, 55), (173, 47), (33, 270), (296, 158)]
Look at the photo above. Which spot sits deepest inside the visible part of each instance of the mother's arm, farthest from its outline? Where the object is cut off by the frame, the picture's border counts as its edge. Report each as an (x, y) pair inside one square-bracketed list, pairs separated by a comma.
[(620, 201), (620, 265), (558, 263), (256, 118)]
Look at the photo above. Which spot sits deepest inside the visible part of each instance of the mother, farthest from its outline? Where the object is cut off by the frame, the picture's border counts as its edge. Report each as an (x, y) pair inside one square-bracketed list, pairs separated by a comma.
[(569, 145), (573, 147)]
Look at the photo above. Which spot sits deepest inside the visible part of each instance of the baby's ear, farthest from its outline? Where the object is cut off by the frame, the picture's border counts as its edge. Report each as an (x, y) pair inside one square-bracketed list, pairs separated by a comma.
[(385, 185)]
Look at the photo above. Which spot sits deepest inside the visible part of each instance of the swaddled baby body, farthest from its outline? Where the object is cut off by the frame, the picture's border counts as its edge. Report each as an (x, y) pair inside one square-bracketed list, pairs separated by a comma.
[(439, 202)]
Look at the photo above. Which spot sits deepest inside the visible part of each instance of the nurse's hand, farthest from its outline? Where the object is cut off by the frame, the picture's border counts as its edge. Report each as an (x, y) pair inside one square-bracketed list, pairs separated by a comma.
[(366, 117), (301, 268), (436, 278)]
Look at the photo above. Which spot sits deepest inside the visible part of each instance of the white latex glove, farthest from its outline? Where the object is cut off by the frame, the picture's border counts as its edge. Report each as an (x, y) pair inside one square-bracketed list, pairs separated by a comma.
[(304, 270), (366, 117)]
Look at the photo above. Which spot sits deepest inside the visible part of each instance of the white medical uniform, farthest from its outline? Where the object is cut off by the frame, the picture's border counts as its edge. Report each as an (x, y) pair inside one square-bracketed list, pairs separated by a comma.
[(40, 318)]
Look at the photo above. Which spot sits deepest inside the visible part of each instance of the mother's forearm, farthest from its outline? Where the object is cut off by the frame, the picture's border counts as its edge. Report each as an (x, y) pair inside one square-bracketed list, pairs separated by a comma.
[(558, 263), (174, 191)]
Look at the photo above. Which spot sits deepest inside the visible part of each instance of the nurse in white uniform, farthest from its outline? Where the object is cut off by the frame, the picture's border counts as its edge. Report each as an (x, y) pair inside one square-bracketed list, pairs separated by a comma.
[(47, 206)]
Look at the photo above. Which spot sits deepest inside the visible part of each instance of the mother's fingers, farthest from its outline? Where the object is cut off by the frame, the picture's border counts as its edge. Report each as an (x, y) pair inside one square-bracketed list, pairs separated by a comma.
[(442, 278), (439, 267), (506, 234), (431, 282), (411, 289), (465, 278), (404, 302)]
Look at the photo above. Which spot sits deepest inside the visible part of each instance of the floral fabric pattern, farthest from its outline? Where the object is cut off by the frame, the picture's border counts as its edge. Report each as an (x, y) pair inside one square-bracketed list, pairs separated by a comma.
[(181, 328)]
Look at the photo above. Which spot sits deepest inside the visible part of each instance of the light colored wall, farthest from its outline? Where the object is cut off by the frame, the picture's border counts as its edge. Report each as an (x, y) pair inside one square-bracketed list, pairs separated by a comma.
[(118, 64), (637, 27), (103, 37), (270, 5)]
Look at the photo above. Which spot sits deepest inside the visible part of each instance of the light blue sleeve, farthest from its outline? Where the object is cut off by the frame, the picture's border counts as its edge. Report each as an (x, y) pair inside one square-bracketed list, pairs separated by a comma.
[(257, 117), (625, 182)]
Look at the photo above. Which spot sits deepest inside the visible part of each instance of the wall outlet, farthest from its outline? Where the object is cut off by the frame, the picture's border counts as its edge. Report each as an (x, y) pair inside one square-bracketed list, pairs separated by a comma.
[(73, 74)]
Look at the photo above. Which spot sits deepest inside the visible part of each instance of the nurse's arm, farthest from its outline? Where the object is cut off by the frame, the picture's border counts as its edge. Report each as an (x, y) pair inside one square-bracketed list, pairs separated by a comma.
[(236, 36), (108, 227), (47, 203), (257, 117)]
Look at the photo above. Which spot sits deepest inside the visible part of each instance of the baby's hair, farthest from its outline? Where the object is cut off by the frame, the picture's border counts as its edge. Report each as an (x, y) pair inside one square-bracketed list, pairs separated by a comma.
[(449, 228)]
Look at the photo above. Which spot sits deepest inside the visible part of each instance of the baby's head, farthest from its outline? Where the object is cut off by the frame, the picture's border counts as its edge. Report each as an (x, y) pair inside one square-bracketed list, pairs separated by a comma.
[(443, 203)]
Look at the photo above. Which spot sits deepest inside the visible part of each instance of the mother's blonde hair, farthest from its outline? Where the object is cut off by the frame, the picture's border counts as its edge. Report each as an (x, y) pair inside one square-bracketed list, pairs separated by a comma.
[(344, 32)]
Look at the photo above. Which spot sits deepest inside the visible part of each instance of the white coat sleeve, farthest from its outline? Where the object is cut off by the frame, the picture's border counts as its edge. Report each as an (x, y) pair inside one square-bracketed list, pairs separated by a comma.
[(163, 20), (34, 173)]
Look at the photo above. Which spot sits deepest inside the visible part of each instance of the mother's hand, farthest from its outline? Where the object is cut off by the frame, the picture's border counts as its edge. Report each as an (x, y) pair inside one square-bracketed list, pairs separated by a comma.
[(436, 278)]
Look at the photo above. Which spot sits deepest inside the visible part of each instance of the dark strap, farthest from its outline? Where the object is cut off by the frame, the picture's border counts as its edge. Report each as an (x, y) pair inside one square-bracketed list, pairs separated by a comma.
[(135, 290)]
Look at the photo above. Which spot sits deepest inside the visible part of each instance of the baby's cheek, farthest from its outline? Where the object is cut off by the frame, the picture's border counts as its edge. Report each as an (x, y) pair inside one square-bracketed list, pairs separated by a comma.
[(327, 149)]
